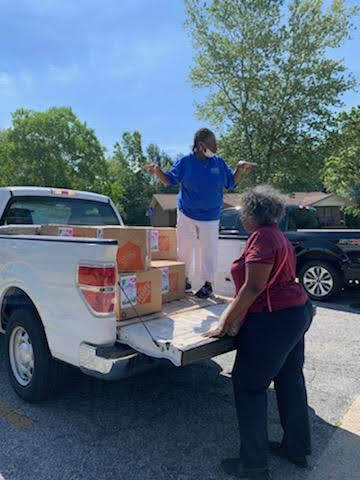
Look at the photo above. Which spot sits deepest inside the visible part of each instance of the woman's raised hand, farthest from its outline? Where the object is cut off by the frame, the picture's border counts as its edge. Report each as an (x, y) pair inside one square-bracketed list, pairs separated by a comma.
[(246, 165), (151, 168)]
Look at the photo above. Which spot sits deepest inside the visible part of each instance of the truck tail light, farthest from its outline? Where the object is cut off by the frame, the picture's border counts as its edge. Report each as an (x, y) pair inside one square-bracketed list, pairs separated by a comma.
[(96, 276), (97, 286)]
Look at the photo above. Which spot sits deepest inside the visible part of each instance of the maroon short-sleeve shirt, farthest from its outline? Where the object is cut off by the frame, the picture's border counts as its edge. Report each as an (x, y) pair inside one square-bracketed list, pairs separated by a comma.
[(268, 245)]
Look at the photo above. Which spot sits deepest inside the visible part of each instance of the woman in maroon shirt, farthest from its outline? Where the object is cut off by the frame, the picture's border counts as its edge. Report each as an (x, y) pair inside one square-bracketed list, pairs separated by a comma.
[(270, 316)]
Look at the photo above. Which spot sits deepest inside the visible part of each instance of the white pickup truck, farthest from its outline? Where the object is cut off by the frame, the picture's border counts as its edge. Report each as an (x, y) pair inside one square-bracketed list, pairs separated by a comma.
[(50, 320)]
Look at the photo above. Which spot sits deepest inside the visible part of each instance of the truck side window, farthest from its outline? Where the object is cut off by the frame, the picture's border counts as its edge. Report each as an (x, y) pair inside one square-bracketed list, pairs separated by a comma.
[(63, 211), (19, 216), (303, 218)]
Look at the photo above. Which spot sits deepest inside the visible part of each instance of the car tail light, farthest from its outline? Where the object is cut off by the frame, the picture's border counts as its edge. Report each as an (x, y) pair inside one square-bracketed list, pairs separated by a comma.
[(97, 285), (96, 276)]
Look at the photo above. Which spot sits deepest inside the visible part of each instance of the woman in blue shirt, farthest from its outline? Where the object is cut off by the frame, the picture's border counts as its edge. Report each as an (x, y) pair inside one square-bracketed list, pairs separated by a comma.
[(202, 176)]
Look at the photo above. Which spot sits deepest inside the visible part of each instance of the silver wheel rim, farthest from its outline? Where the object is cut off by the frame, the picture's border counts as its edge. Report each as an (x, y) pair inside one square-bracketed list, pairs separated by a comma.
[(318, 281), (21, 356)]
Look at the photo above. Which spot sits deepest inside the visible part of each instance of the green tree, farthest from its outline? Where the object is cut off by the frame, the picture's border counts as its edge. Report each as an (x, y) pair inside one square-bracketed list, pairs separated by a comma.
[(163, 160), (131, 186), (52, 148), (160, 158), (7, 168), (133, 151), (342, 167), (273, 86), (355, 192)]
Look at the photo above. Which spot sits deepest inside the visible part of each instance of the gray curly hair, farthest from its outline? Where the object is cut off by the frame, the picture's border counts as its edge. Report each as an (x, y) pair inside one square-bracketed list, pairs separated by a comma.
[(262, 205)]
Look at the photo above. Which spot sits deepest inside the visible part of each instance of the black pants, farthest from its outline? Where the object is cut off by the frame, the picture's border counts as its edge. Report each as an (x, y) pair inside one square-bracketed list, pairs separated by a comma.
[(271, 348)]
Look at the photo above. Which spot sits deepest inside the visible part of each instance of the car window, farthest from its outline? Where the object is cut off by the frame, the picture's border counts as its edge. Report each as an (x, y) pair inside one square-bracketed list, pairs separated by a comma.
[(64, 211), (303, 218), (230, 220)]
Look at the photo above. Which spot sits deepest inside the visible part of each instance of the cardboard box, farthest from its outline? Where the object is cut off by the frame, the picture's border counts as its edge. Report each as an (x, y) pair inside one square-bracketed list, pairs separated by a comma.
[(139, 294), (164, 244), (133, 254), (173, 279), (20, 230)]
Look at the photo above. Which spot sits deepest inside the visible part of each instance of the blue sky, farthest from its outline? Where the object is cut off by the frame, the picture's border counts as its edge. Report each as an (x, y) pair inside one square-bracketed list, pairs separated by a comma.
[(120, 64)]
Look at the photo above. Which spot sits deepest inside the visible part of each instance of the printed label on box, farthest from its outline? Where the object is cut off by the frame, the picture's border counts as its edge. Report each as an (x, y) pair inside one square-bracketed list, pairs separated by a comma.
[(165, 283), (128, 291), (144, 292), (174, 282), (154, 240), (129, 258), (66, 232), (164, 243), (100, 233)]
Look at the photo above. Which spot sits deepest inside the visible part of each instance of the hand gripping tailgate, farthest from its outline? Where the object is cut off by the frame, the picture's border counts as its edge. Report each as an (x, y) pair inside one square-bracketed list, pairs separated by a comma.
[(178, 337)]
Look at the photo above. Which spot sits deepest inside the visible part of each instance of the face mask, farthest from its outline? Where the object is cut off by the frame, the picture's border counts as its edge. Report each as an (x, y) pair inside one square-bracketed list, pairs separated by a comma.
[(208, 153)]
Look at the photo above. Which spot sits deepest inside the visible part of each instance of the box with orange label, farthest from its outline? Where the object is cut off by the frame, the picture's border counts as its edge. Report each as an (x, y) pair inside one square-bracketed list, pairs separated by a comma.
[(133, 254), (163, 244), (139, 294), (172, 279)]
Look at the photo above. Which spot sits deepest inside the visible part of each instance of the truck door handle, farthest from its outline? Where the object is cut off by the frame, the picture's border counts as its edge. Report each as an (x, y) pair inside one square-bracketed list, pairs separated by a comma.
[(227, 279)]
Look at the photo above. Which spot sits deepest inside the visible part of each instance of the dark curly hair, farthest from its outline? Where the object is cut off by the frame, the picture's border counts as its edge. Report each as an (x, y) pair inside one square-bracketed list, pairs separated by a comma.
[(200, 136)]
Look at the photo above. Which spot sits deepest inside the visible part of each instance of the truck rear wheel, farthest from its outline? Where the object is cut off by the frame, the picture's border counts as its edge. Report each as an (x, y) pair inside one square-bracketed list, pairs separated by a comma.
[(321, 280), (30, 365)]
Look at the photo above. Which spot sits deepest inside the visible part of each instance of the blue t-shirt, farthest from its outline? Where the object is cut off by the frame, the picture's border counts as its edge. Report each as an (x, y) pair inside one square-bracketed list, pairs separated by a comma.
[(202, 184)]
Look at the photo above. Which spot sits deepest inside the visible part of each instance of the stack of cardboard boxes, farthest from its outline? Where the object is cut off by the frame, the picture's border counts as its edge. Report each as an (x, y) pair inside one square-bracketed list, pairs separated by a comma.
[(148, 271), (164, 258)]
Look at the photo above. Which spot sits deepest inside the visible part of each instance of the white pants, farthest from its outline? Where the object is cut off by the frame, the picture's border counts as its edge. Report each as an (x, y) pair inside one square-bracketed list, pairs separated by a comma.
[(198, 246)]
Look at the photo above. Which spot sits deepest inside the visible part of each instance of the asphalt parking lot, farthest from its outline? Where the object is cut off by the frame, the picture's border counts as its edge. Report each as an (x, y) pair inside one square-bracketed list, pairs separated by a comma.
[(172, 423), (349, 300)]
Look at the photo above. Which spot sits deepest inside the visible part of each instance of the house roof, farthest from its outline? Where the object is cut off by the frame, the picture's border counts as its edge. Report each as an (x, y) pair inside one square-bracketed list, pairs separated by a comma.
[(307, 199), (168, 201), (232, 199)]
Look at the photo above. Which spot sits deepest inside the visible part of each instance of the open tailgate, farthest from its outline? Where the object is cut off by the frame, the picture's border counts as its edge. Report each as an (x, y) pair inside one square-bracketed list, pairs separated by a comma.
[(178, 336)]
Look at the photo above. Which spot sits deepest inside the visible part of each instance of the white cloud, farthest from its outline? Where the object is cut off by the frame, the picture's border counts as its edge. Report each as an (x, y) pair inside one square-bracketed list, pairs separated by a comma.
[(65, 75), (7, 85)]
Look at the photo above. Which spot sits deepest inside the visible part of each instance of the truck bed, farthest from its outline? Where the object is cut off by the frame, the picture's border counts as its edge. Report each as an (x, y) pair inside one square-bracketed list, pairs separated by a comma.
[(176, 333)]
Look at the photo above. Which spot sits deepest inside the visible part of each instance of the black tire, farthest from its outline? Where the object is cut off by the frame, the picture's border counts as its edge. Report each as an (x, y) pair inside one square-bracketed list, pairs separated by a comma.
[(44, 371), (321, 280)]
